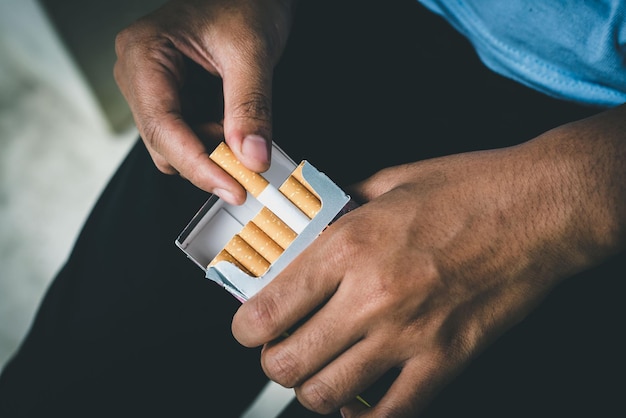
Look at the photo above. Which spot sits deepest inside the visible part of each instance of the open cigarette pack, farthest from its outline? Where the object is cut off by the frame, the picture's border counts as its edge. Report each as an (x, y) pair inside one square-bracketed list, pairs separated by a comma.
[(242, 248)]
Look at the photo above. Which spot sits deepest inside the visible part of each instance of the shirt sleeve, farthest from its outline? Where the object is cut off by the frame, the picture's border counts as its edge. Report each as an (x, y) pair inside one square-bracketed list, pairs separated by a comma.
[(572, 50)]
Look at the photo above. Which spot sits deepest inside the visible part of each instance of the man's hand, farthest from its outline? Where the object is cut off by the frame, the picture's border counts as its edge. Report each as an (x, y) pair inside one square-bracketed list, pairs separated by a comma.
[(446, 255), (238, 42)]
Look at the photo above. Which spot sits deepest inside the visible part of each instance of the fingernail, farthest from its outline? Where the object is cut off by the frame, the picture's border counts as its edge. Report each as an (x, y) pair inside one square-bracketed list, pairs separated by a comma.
[(225, 195), (254, 146)]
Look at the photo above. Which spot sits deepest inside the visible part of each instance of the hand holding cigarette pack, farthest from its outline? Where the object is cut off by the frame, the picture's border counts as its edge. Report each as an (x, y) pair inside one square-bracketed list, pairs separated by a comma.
[(244, 247)]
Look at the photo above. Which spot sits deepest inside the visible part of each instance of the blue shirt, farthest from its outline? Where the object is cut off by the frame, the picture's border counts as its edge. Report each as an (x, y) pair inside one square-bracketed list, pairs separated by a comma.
[(573, 50)]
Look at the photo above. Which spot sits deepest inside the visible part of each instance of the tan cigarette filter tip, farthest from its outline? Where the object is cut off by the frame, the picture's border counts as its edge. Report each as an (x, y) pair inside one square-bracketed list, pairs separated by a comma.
[(297, 173), (274, 227), (300, 196), (261, 242), (251, 181), (224, 255), (247, 256)]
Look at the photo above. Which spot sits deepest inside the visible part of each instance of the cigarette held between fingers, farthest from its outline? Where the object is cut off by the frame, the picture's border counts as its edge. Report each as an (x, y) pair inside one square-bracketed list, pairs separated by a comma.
[(251, 181), (260, 188)]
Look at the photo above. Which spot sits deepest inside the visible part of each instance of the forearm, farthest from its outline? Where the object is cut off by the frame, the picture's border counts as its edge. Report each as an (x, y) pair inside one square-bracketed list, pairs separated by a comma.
[(583, 165)]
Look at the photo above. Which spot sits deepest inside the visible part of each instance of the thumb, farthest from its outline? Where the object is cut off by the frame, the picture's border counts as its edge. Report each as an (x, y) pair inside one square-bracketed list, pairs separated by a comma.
[(248, 114)]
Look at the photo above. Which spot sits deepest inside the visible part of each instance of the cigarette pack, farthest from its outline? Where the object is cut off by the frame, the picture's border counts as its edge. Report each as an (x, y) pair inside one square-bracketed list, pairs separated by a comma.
[(218, 226)]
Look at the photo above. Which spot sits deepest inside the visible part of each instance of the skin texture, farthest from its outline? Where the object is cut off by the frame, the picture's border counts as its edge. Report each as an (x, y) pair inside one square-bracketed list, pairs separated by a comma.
[(482, 238), (237, 41), (488, 235)]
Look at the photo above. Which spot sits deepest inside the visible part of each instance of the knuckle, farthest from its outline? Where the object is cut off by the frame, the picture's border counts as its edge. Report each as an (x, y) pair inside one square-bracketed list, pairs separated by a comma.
[(282, 367), (121, 41), (345, 242), (318, 396), (131, 35), (122, 44), (261, 36), (154, 139), (164, 167), (262, 313), (390, 411), (254, 322), (255, 105), (142, 43), (152, 133)]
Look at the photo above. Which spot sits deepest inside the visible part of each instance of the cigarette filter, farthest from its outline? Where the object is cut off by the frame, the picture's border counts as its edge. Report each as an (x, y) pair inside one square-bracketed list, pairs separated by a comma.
[(260, 188)]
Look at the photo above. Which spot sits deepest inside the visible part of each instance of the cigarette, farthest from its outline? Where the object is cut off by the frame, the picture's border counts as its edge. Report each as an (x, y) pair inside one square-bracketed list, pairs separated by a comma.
[(252, 250), (306, 201), (224, 255), (261, 242), (297, 174), (269, 223), (260, 188), (247, 256)]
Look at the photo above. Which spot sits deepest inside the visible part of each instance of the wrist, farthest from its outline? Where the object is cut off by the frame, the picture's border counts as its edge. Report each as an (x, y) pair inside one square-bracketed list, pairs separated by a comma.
[(580, 167)]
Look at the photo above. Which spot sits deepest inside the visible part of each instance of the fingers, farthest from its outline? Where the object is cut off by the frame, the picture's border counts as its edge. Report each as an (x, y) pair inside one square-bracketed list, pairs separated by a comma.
[(248, 113), (331, 357), (331, 362), (346, 374), (241, 45), (286, 299), (181, 148), (327, 361), (149, 73), (247, 70), (419, 381), (344, 382)]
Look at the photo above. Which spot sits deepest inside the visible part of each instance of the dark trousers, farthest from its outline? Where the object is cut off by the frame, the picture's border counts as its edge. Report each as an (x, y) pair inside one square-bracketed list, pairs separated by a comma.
[(131, 328)]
